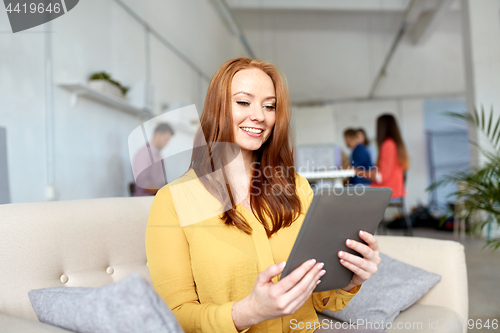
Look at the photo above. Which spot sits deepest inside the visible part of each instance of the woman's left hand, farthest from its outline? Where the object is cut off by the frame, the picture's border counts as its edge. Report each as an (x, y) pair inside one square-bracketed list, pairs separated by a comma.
[(363, 267)]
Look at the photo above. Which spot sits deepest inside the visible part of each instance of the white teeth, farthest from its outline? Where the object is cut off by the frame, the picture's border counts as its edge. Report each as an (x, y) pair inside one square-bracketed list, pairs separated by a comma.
[(252, 130)]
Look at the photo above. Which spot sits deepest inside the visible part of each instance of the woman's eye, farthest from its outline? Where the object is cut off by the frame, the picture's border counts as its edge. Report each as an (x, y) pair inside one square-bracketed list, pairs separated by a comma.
[(243, 103), (270, 107)]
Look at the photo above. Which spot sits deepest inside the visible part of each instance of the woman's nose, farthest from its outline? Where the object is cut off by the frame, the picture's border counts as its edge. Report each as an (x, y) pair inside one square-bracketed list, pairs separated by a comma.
[(257, 114)]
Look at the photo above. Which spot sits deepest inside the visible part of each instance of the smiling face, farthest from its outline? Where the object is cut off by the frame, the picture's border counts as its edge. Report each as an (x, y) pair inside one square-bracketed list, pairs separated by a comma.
[(253, 104)]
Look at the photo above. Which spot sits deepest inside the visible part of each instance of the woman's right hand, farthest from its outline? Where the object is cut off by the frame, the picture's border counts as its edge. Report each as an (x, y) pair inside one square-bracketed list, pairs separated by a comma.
[(269, 300)]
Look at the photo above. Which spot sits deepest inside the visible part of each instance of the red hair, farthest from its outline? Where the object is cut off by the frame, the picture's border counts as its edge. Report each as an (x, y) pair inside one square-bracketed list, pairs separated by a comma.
[(273, 210)]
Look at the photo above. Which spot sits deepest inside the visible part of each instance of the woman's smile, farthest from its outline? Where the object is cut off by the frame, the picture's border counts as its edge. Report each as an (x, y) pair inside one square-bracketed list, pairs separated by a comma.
[(252, 131)]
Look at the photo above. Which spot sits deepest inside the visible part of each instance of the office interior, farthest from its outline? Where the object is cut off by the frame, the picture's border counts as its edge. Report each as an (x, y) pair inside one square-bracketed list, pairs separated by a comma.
[(345, 62)]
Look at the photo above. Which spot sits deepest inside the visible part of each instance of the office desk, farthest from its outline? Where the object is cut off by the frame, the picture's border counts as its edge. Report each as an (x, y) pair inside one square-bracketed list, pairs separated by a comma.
[(336, 175)]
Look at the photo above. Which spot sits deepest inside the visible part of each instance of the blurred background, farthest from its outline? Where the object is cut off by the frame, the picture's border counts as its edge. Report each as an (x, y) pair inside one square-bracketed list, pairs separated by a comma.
[(72, 90), (346, 62)]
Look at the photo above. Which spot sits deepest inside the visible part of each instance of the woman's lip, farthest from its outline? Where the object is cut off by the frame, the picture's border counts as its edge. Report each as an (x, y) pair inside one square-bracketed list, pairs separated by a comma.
[(253, 135), (252, 127)]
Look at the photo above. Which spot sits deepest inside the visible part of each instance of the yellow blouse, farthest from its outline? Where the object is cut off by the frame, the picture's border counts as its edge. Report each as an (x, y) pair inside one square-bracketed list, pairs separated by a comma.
[(201, 267)]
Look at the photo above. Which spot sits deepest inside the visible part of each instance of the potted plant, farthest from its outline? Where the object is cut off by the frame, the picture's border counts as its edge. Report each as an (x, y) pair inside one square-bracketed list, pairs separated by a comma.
[(478, 188), (103, 82)]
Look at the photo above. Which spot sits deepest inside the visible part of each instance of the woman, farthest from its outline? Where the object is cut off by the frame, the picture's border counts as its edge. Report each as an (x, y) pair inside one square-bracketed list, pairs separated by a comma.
[(366, 142), (360, 157), (393, 160), (362, 132), (218, 236)]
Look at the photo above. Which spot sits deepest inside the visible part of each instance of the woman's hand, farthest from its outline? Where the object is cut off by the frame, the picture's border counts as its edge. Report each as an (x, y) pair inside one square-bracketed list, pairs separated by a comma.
[(269, 300), (370, 174), (364, 267)]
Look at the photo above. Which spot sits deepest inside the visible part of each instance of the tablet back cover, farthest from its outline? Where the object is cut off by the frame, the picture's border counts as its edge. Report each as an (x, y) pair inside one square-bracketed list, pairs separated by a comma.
[(334, 216)]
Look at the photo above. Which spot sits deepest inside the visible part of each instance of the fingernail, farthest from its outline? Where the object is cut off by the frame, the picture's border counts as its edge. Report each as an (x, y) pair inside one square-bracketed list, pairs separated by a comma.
[(312, 262), (361, 232), (322, 272), (348, 242), (283, 264), (341, 254), (320, 265), (342, 260), (319, 281)]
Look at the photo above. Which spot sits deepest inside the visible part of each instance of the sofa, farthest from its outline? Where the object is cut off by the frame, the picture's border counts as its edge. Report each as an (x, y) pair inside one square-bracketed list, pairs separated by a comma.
[(95, 242)]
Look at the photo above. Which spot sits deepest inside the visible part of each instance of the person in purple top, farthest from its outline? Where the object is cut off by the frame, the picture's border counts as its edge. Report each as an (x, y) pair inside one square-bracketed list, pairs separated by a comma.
[(360, 157), (148, 168)]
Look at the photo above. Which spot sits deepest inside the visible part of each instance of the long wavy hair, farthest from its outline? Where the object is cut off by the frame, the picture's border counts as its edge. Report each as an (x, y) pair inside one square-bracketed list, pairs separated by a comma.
[(274, 209), (387, 127)]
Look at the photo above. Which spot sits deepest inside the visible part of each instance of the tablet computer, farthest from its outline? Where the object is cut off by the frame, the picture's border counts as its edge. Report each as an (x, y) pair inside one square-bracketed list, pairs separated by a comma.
[(335, 215)]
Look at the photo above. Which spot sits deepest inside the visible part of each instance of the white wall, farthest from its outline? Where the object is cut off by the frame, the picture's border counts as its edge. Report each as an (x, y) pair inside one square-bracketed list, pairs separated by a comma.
[(22, 110), (413, 131), (90, 141), (307, 122)]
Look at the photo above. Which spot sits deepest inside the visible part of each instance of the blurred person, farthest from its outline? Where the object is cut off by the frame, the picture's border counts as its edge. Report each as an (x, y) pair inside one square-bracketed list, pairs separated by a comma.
[(220, 273), (152, 174), (393, 159), (360, 157), (364, 138), (366, 142)]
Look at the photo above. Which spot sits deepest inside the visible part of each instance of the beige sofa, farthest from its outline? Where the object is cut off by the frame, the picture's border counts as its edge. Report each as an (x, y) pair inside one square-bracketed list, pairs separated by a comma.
[(96, 242)]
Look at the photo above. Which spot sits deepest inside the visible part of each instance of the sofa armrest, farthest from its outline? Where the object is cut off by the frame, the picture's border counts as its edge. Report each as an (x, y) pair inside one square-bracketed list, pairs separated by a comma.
[(443, 257), (14, 324)]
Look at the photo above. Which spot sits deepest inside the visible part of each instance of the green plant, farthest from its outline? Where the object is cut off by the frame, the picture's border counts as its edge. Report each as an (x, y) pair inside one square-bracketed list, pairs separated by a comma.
[(478, 188), (107, 77)]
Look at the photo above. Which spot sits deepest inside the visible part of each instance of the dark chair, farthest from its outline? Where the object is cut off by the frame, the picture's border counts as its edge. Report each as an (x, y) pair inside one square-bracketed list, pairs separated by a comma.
[(399, 203), (131, 188)]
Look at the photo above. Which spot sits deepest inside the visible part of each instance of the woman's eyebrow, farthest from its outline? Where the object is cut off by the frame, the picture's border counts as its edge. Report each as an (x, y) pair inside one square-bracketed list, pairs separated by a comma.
[(252, 95)]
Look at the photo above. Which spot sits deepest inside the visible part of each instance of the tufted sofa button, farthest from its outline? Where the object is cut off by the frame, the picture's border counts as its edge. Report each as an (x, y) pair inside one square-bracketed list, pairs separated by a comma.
[(110, 270), (64, 278)]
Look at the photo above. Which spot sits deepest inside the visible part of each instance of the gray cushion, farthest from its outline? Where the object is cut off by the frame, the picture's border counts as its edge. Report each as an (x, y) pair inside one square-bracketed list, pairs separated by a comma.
[(130, 305), (394, 288)]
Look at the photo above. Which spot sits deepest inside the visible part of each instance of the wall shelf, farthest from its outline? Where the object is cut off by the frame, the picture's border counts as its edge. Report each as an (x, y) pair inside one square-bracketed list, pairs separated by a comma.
[(80, 89)]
